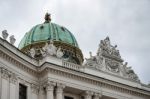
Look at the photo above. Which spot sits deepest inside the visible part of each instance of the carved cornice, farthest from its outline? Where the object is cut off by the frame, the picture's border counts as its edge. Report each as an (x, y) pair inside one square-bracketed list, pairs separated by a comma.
[(79, 76), (100, 82), (17, 63)]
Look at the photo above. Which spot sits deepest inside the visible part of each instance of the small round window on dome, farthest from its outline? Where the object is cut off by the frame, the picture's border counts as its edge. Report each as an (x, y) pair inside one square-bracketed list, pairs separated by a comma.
[(63, 28), (41, 27)]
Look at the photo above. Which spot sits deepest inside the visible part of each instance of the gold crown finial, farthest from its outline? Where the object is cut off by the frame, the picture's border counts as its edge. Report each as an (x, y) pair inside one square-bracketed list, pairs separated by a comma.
[(47, 17)]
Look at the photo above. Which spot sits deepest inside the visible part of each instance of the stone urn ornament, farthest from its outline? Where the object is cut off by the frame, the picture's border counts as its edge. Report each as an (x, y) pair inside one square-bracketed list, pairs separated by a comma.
[(4, 34), (12, 39)]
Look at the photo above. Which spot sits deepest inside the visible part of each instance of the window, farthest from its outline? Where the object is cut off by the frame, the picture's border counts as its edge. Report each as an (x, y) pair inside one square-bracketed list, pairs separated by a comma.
[(22, 91), (68, 97)]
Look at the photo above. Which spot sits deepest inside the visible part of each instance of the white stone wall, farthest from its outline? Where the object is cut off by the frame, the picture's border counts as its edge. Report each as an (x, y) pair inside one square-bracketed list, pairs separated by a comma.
[(15, 68)]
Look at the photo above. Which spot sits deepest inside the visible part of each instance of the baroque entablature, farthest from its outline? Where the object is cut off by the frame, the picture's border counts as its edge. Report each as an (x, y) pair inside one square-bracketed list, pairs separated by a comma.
[(108, 59), (78, 76)]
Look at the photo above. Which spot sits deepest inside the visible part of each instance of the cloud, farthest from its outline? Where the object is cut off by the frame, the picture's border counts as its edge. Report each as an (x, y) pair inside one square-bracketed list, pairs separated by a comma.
[(125, 21)]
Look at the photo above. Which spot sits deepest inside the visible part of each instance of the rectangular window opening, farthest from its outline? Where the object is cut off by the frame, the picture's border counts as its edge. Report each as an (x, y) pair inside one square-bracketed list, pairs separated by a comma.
[(68, 97), (22, 91)]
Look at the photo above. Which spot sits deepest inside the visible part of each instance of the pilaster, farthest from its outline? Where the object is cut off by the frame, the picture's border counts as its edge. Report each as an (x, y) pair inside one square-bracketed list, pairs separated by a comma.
[(50, 90), (97, 95), (4, 83), (35, 91), (59, 91), (88, 94), (12, 85)]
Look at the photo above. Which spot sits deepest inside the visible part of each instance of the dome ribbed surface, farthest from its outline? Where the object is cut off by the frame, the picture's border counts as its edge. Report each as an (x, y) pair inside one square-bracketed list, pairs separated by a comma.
[(45, 32)]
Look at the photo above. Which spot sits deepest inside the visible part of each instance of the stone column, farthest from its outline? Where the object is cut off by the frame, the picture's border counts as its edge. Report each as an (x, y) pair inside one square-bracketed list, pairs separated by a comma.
[(50, 90), (4, 84), (41, 93), (59, 91), (35, 91), (97, 96), (88, 95), (13, 83)]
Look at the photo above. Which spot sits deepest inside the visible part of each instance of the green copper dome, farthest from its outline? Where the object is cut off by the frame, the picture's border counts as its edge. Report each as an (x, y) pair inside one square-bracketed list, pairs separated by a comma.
[(48, 31), (42, 34)]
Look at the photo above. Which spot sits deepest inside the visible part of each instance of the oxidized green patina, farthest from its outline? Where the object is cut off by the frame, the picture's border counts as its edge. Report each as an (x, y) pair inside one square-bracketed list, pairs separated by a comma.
[(48, 31)]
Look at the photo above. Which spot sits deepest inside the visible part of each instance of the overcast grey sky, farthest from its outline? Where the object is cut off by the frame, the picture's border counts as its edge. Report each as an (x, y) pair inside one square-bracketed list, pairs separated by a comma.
[(126, 22)]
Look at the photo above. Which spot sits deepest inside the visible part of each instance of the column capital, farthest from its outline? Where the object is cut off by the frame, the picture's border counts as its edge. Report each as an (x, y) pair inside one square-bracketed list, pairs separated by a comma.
[(5, 73), (60, 87), (50, 85), (88, 94), (97, 95), (13, 78), (35, 88)]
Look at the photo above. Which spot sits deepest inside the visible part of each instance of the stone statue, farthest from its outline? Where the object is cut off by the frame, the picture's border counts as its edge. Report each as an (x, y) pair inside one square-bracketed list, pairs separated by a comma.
[(32, 52), (99, 51), (105, 46), (50, 49), (99, 59), (12, 39), (107, 42), (92, 57), (59, 53), (130, 73), (4, 34)]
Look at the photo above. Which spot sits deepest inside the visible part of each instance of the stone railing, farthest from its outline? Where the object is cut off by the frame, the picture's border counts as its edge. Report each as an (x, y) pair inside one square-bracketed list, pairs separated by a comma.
[(71, 65)]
